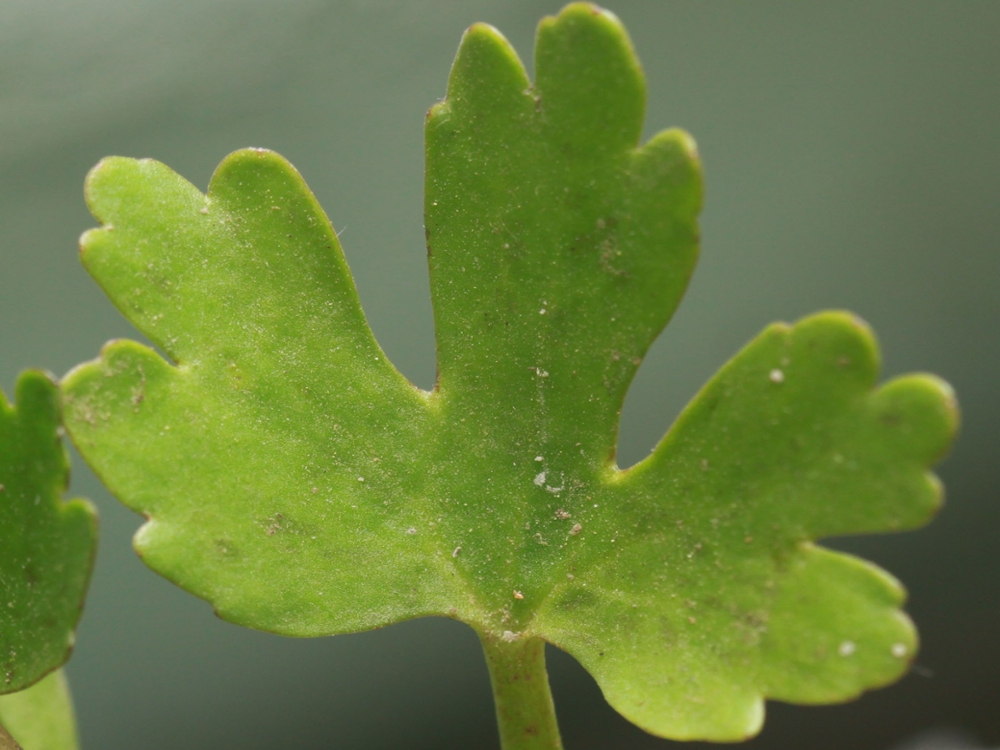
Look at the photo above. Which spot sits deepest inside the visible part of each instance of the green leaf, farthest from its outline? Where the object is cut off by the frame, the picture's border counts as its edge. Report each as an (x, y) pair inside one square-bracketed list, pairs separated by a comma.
[(41, 717), (294, 479), (46, 556), (46, 545)]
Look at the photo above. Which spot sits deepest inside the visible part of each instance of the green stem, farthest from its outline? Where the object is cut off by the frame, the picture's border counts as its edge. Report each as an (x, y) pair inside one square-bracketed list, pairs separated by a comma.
[(525, 712), (41, 716)]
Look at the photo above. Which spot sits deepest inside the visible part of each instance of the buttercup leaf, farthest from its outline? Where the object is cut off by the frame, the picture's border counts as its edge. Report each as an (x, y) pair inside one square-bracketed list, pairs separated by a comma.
[(293, 478), (46, 545)]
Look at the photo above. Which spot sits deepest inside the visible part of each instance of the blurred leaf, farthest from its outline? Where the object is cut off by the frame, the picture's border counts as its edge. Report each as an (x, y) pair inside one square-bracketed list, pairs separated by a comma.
[(46, 545), (46, 555), (294, 479)]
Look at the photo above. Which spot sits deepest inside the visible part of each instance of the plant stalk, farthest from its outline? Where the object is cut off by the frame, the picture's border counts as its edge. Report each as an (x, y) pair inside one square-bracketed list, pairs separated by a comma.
[(6, 741), (526, 715), (40, 716)]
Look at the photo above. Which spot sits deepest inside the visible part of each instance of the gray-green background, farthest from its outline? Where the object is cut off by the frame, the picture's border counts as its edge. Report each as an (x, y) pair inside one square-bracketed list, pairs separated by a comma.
[(852, 154)]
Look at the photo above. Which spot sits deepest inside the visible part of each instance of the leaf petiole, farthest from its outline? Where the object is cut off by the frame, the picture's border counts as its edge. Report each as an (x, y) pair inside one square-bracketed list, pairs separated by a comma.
[(526, 714), (6, 741)]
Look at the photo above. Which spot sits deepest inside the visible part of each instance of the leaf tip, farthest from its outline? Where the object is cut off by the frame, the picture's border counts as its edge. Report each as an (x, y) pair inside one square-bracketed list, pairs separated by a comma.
[(101, 180), (586, 13), (843, 340), (589, 78), (37, 402), (485, 64), (921, 411)]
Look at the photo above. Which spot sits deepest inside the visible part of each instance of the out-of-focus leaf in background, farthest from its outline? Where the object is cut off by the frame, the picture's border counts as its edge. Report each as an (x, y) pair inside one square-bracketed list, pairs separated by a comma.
[(46, 555)]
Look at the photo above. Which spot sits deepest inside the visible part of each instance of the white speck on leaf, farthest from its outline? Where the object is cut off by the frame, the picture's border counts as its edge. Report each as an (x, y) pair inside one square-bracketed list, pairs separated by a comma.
[(539, 479), (777, 376), (539, 458), (361, 479), (518, 594), (577, 528), (847, 648), (509, 636), (457, 550), (411, 530), (899, 650)]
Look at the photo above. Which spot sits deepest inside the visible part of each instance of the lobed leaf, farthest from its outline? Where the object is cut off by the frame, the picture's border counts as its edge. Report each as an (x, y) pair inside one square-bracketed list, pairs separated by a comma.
[(46, 545), (294, 479)]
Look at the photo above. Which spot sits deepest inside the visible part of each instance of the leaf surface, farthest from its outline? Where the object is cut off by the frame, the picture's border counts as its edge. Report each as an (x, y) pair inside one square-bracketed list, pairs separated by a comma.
[(293, 478), (46, 545)]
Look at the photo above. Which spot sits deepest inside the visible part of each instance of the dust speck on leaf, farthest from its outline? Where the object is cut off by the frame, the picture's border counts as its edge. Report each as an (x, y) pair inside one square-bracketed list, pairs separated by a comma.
[(274, 524), (899, 650), (847, 648), (577, 528), (456, 551), (518, 594), (777, 376), (539, 479)]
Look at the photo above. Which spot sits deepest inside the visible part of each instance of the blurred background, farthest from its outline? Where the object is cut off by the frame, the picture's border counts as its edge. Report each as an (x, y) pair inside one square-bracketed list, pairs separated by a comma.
[(852, 156)]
